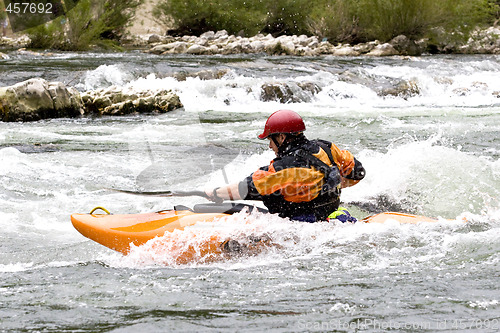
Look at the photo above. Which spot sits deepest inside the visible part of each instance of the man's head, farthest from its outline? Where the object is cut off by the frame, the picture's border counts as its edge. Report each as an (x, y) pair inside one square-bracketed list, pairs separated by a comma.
[(276, 141), (283, 121), (281, 127)]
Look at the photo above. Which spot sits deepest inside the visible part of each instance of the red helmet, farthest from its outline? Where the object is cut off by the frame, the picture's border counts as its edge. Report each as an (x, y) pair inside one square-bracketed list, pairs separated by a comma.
[(283, 121)]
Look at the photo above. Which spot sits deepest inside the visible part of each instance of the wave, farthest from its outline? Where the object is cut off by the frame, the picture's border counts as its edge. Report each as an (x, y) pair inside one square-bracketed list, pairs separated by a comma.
[(326, 84), (429, 177), (105, 76)]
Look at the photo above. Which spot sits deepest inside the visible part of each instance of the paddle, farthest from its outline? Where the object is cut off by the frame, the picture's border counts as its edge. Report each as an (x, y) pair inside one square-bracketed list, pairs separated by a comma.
[(165, 193)]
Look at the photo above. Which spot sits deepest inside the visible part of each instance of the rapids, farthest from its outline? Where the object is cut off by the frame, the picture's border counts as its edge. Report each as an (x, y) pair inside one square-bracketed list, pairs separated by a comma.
[(432, 148)]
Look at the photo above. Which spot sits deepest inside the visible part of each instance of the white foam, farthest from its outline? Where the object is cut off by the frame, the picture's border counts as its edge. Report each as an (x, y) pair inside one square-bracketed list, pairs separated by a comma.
[(431, 175), (16, 267), (9, 159), (105, 76), (484, 304), (344, 308)]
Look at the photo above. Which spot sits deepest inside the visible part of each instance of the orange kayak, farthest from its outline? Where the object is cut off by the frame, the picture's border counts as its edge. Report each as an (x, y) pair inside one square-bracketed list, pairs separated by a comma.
[(118, 232), (398, 217)]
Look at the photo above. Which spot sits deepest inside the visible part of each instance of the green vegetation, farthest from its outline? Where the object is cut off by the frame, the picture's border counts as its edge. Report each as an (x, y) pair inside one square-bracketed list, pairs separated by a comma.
[(3, 14), (194, 17), (286, 17), (90, 22), (338, 20), (103, 22), (416, 18), (243, 17)]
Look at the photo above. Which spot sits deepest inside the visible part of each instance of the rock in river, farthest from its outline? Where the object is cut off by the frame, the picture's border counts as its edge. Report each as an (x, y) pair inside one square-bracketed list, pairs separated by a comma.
[(116, 101), (37, 99)]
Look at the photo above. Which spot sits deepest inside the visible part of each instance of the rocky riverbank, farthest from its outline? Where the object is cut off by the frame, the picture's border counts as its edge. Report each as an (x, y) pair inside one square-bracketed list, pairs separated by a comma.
[(14, 42), (481, 42), (486, 41), (37, 99), (220, 42)]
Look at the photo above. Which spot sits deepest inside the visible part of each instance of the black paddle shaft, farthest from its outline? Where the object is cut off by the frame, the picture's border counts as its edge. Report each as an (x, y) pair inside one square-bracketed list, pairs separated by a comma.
[(165, 193)]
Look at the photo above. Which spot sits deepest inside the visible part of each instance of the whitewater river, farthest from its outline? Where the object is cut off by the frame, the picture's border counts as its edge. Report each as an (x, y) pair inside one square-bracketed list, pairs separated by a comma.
[(433, 149)]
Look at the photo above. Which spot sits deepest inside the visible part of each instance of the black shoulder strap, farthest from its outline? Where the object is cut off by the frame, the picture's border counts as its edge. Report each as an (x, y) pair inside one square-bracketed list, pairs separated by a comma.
[(314, 161), (332, 185)]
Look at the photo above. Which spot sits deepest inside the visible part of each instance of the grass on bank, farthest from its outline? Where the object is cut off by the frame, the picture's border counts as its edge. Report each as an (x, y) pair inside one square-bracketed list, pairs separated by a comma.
[(350, 21), (103, 22)]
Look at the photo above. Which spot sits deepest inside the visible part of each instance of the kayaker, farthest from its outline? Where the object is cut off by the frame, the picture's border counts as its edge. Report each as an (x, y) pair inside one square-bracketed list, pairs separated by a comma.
[(304, 181)]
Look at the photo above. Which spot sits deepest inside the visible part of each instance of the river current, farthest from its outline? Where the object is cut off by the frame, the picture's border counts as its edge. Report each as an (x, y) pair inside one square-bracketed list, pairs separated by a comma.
[(430, 148)]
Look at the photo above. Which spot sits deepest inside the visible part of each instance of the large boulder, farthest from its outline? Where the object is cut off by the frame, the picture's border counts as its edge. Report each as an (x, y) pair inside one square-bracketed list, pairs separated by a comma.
[(403, 89), (196, 49), (484, 42), (406, 46), (115, 102), (37, 99), (288, 92), (383, 50), (345, 51)]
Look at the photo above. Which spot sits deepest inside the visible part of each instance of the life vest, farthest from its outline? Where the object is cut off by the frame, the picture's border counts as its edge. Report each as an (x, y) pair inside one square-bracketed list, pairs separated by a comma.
[(299, 182)]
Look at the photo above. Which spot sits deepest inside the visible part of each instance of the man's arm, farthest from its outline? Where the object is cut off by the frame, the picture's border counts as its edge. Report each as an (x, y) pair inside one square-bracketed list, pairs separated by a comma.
[(228, 192), (357, 173), (351, 170)]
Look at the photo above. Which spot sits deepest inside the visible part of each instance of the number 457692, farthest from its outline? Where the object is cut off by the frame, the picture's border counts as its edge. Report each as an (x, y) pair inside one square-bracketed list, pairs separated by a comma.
[(29, 8)]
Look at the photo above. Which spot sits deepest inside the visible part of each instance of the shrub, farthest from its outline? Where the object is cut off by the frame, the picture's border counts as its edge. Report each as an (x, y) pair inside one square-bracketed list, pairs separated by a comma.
[(385, 19), (89, 22), (195, 17), (116, 16), (246, 17), (364, 20), (336, 20), (414, 18), (46, 35), (286, 17)]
